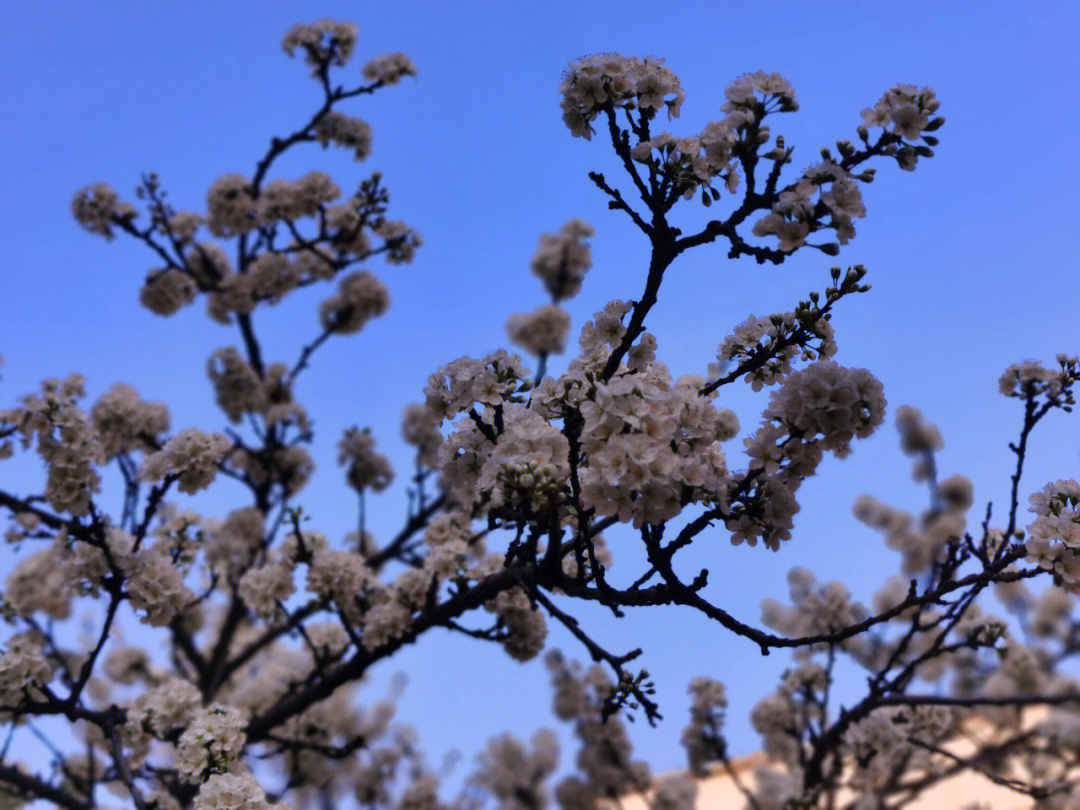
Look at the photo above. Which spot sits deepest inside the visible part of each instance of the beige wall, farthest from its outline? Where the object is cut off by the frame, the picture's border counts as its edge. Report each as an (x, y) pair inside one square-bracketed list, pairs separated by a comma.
[(718, 791)]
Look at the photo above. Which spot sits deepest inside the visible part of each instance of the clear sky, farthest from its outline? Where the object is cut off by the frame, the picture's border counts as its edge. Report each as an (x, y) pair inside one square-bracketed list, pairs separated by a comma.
[(972, 257)]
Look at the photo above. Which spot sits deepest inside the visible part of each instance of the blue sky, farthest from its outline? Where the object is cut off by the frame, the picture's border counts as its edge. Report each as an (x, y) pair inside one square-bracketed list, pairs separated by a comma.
[(972, 257)]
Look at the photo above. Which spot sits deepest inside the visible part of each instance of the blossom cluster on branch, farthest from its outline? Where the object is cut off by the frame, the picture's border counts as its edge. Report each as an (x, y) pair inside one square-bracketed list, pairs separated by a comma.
[(527, 488)]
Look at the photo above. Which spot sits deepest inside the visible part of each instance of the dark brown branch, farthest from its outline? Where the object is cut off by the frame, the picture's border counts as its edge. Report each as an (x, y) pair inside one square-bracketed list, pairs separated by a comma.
[(32, 787)]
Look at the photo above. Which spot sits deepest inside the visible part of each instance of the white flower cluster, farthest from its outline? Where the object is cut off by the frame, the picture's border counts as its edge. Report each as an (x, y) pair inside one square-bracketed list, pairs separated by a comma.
[(288, 200), (183, 225), (400, 241), (234, 293), (263, 588), (647, 441), (385, 620), (605, 330), (542, 331), (821, 407), (604, 81), (367, 469), (703, 736), (769, 511), (782, 717), (155, 585), (815, 608), (325, 42), (231, 209), (212, 743), (1051, 613), (1018, 673), (317, 262), (227, 791), (420, 428), (694, 161), (776, 341), (41, 582), (88, 564), (678, 792), (827, 404), (167, 291), (918, 438), (238, 388), (422, 793), (1054, 536), (465, 382), (125, 665), (97, 208), (360, 297), (1030, 378), (681, 161), (344, 130), (1062, 726), (329, 639), (461, 457), (208, 264), (780, 789), (888, 739), (515, 776), (797, 212), (191, 455), (288, 467), (904, 110), (447, 527), (525, 627), (345, 228), (22, 666), (772, 86), (164, 708), (269, 277), (562, 259), (389, 608), (529, 465), (607, 770), (451, 546), (230, 546), (125, 423), (22, 525), (923, 544), (340, 576), (389, 68), (66, 441)]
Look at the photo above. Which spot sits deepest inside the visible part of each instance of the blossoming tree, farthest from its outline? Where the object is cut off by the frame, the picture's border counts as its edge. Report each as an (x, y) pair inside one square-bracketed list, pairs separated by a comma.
[(249, 693)]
